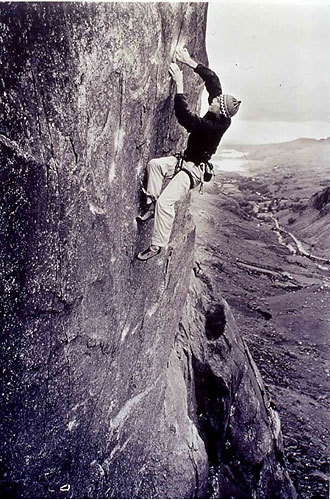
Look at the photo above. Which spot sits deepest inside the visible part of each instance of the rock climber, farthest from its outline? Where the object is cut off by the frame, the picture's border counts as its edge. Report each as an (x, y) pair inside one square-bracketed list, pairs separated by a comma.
[(205, 134)]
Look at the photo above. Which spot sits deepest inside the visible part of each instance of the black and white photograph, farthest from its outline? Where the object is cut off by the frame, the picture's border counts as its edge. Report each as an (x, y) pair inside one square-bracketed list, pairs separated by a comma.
[(164, 249)]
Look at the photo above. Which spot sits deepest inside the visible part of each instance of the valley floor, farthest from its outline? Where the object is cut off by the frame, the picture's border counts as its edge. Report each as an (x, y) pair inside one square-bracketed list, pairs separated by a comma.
[(281, 303)]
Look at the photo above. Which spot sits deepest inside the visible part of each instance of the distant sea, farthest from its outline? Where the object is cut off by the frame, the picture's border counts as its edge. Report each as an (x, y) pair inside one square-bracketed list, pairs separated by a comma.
[(230, 160)]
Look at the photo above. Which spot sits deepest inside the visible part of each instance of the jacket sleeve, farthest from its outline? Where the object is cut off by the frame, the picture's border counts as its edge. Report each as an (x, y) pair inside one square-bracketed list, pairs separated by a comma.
[(212, 82), (189, 120)]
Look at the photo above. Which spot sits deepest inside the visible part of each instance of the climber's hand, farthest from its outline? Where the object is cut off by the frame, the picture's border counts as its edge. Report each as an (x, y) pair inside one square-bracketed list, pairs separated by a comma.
[(176, 73), (177, 76), (182, 55)]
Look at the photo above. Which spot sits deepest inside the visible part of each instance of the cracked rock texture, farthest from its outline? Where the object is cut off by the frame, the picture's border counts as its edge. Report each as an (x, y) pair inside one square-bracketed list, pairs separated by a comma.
[(117, 382)]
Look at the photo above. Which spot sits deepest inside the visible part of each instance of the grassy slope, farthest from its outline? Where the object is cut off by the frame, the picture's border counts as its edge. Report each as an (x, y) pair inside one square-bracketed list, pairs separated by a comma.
[(296, 171)]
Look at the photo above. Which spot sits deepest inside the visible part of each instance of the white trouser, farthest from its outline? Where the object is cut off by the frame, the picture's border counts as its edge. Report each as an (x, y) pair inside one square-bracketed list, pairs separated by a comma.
[(163, 168)]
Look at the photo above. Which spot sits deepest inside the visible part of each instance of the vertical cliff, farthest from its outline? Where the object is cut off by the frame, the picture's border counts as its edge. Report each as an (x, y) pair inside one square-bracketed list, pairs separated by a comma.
[(238, 423), (103, 391)]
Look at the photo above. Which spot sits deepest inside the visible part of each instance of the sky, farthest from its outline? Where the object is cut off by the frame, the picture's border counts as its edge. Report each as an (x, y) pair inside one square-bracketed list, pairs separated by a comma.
[(274, 55)]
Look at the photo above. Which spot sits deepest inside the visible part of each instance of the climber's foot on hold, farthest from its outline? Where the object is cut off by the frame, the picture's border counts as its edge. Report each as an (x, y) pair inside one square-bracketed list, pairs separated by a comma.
[(150, 252), (149, 213)]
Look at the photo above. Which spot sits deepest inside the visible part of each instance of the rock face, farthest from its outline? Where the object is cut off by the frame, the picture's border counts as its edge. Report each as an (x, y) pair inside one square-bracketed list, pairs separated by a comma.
[(321, 201), (238, 423), (104, 394)]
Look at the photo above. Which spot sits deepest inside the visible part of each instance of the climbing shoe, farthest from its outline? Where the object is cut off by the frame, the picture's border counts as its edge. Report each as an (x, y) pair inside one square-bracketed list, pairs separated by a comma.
[(150, 252), (148, 214)]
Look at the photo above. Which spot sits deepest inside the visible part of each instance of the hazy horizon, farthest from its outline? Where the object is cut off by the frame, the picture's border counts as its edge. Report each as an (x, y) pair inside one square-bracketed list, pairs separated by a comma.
[(253, 133), (274, 57)]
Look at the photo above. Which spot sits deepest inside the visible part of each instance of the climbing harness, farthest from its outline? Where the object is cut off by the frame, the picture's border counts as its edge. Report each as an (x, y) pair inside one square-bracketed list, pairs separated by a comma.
[(179, 168), (192, 182), (207, 171), (178, 165)]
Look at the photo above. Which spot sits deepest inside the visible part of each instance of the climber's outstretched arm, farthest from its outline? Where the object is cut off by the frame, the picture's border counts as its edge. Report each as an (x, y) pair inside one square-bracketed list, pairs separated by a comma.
[(212, 82), (189, 120)]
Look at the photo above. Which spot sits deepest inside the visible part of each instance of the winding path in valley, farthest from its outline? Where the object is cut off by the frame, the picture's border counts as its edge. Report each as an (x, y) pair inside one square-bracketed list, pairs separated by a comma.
[(300, 250)]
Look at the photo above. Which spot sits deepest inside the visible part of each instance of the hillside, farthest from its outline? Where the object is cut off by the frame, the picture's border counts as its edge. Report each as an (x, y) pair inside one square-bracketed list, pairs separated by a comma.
[(294, 175), (279, 296)]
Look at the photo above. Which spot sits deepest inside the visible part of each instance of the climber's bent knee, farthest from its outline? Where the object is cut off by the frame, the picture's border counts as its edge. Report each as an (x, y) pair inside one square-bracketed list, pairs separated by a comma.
[(153, 164), (164, 166), (176, 190)]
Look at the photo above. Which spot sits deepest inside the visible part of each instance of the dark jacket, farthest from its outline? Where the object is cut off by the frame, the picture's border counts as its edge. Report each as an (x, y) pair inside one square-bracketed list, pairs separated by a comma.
[(207, 131)]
